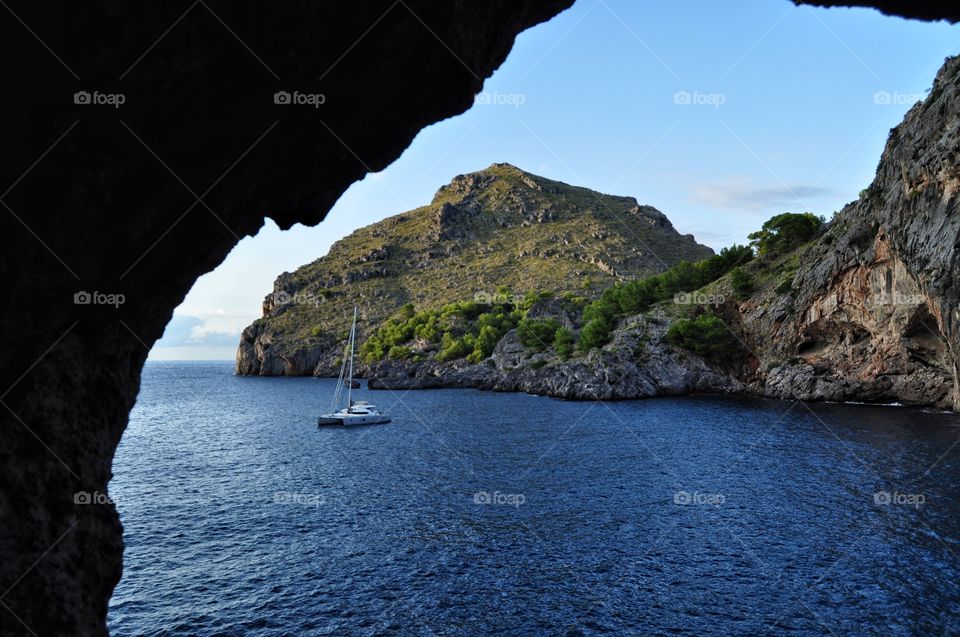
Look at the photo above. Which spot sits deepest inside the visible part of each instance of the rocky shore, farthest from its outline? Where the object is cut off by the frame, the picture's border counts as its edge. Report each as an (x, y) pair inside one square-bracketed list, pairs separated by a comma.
[(613, 373), (866, 312)]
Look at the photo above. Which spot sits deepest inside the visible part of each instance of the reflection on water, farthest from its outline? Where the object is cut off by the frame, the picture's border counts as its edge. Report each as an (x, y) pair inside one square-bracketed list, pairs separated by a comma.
[(498, 514)]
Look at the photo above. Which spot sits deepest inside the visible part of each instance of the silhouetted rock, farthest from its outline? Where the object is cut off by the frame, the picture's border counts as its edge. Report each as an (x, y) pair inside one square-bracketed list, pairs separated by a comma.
[(104, 198)]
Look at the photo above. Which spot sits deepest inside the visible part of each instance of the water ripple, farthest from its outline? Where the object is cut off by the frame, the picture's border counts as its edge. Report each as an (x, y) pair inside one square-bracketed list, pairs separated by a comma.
[(493, 514)]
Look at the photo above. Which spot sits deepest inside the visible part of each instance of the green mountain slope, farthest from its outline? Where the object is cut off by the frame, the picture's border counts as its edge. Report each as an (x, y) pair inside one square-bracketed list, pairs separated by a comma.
[(496, 229)]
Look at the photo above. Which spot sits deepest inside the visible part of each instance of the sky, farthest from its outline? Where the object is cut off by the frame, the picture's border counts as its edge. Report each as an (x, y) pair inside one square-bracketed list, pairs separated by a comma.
[(720, 113)]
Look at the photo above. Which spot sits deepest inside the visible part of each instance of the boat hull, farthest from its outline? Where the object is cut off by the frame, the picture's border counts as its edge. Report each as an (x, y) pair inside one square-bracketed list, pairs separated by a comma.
[(349, 421)]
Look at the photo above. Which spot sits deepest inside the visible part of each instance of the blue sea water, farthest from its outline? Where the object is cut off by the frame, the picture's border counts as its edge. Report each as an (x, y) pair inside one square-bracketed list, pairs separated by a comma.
[(506, 514)]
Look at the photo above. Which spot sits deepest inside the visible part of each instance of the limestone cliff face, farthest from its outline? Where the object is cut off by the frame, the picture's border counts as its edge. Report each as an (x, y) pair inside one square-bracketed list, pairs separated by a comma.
[(873, 315), (870, 336)]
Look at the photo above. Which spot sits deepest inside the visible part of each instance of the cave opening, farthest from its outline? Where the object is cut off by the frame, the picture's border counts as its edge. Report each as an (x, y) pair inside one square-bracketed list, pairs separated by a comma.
[(74, 376)]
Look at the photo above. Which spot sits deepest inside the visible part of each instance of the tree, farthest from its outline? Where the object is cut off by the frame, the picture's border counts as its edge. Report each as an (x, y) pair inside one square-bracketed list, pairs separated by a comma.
[(563, 343), (741, 282), (784, 232), (483, 346), (606, 306), (372, 350), (452, 348), (596, 333), (712, 268), (706, 336), (736, 255), (428, 330), (537, 333), (399, 352)]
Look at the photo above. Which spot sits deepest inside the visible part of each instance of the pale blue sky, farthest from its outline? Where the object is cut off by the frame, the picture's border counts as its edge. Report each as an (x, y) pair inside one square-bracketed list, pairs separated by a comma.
[(721, 113)]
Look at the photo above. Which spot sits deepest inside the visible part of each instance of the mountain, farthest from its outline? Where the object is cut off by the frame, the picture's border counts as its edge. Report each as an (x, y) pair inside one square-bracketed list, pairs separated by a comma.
[(865, 309), (494, 230), (861, 308)]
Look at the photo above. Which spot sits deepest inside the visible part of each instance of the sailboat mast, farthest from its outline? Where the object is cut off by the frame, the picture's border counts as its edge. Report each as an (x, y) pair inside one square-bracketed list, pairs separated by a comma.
[(353, 338)]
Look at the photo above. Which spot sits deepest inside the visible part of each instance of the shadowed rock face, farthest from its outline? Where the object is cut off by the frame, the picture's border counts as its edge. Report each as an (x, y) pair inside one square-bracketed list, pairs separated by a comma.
[(139, 199), (920, 9)]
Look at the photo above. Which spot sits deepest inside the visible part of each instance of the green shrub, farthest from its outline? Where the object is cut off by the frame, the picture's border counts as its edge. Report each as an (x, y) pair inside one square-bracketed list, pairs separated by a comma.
[(786, 286), (452, 348), (486, 340), (372, 351), (741, 282), (563, 343), (501, 321), (537, 334), (706, 336), (428, 329), (399, 352), (596, 333), (736, 255), (317, 332), (638, 295)]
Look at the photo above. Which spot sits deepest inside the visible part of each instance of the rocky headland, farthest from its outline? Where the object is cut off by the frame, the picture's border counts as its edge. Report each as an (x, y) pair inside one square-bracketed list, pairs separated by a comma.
[(866, 310)]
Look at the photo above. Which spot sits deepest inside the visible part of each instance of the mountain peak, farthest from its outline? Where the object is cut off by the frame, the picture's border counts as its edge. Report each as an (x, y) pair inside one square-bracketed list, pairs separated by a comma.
[(500, 227), (507, 175), (511, 196), (495, 166)]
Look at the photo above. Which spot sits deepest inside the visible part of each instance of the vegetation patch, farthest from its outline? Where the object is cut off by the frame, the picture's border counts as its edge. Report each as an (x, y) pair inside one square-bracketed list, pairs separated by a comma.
[(741, 282), (707, 336), (784, 232), (466, 329), (638, 295)]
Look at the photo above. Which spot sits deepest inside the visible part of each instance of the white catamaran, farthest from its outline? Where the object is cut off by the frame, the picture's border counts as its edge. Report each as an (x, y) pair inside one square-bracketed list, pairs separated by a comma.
[(355, 413)]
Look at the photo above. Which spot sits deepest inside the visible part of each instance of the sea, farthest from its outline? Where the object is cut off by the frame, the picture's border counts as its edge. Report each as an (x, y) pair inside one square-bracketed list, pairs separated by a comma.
[(481, 513)]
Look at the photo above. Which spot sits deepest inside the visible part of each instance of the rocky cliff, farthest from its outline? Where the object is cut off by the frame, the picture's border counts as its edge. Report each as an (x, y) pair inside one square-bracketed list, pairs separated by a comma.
[(873, 310), (485, 232), (867, 311)]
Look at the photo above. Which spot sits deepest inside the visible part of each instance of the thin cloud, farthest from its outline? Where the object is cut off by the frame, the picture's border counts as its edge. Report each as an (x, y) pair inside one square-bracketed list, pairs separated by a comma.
[(192, 331), (747, 196)]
